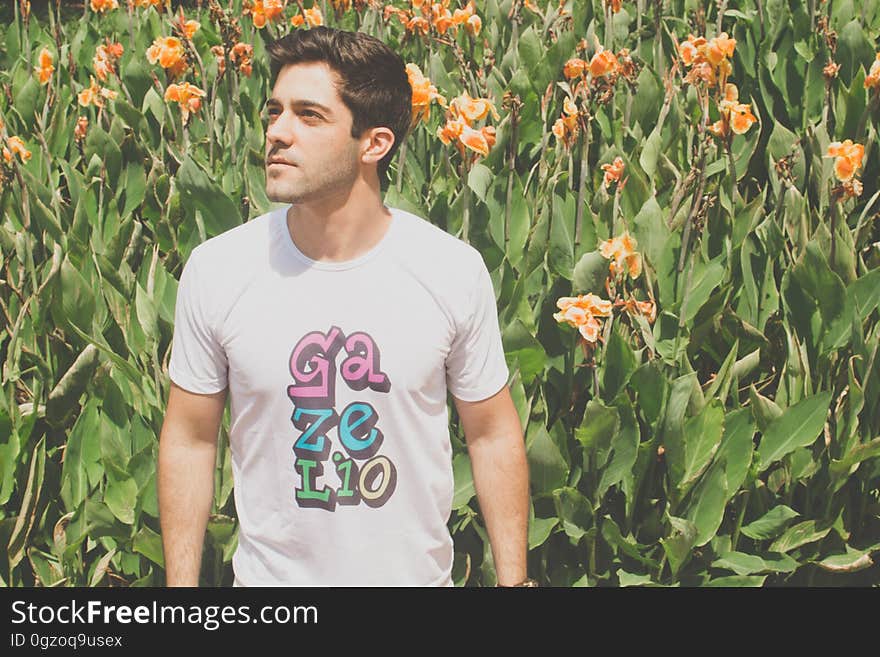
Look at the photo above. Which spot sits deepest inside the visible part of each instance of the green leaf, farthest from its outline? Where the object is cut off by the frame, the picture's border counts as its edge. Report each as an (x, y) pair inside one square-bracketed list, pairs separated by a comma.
[(100, 143), (135, 188), (620, 363), (771, 524), (859, 453), (764, 409), (590, 273), (800, 534), (548, 469), (706, 277), (679, 543), (480, 178), (521, 345), (707, 504), (740, 563), (650, 153), (77, 297), (29, 501), (196, 187), (26, 101), (560, 257), (539, 531), (574, 511), (702, 436), (865, 293), (738, 581), (147, 313), (149, 543), (597, 429), (798, 426), (464, 481), (121, 497), (625, 444), (850, 562), (630, 579)]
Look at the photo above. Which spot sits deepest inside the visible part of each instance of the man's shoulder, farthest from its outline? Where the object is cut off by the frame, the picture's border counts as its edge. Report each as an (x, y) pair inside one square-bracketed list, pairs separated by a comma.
[(232, 247), (422, 242)]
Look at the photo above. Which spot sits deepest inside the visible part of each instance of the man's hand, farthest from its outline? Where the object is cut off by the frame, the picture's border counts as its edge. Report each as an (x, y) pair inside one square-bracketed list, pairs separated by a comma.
[(187, 451), (495, 443)]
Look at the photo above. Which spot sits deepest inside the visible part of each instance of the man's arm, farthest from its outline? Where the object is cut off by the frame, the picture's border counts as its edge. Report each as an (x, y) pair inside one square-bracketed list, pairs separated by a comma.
[(187, 452), (501, 477)]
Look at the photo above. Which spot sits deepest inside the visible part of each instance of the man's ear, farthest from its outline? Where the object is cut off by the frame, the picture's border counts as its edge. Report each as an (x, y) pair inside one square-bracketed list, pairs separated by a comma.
[(376, 143)]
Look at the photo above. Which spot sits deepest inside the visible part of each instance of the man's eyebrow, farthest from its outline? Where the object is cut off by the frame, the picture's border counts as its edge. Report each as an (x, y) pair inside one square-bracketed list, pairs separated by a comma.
[(274, 102)]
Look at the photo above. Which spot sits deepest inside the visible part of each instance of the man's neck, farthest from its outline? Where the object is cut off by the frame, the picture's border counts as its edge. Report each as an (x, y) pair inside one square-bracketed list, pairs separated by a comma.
[(335, 229)]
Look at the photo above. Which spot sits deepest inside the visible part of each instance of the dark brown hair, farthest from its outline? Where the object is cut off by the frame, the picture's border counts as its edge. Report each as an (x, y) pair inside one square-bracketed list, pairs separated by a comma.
[(374, 84)]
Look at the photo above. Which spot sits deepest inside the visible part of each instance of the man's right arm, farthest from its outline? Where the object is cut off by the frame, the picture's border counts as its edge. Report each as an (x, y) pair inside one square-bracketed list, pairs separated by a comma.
[(187, 453)]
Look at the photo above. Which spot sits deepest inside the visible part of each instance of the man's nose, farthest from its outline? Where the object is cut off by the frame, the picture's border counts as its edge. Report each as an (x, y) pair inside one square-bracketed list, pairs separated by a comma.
[(279, 129)]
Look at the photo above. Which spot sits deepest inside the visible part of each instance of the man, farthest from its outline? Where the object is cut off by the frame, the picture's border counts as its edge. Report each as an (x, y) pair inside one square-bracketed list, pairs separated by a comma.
[(337, 324)]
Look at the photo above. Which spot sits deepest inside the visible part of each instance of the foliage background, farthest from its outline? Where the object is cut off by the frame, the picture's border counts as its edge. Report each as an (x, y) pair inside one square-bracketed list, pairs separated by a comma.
[(733, 441)]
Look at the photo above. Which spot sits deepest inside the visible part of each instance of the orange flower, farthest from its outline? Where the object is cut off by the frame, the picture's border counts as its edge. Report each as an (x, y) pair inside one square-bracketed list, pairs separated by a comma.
[(613, 171), (622, 252), (472, 109), (646, 308), (423, 92), (452, 130), (263, 11), (45, 68), (418, 24), (17, 148), (709, 59), (104, 5), (105, 57), (314, 17), (190, 27), (473, 25), (873, 79), (603, 63), (614, 4), (580, 312), (82, 126), (242, 53), (477, 140), (220, 56), (158, 4), (849, 158), (95, 94), (169, 53), (567, 126), (187, 96), (574, 67), (735, 116)]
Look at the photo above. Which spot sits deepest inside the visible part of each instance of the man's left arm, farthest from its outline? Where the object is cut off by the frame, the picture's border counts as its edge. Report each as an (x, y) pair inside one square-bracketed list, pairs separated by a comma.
[(495, 443)]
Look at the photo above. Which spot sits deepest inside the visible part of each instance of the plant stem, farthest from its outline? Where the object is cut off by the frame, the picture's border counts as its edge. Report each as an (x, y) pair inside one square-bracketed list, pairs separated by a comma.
[(739, 519), (582, 185)]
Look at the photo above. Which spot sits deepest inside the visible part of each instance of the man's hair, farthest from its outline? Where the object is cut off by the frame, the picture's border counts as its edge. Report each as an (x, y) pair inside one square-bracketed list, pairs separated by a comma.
[(374, 84)]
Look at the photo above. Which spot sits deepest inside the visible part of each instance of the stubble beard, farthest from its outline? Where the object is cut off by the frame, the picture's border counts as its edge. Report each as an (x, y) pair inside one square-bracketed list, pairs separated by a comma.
[(335, 177)]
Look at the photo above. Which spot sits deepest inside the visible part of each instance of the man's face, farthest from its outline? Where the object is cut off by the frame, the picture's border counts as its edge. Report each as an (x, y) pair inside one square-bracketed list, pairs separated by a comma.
[(309, 128)]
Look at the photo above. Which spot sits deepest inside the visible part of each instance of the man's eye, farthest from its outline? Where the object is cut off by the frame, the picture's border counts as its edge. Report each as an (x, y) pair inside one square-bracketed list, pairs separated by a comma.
[(311, 113)]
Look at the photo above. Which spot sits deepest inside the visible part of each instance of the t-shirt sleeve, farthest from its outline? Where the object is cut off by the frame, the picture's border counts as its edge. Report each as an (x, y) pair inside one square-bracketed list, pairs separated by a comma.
[(475, 366), (198, 361)]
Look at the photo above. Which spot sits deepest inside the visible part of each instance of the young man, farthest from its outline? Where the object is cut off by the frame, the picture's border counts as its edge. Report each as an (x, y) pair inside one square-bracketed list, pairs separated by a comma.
[(337, 325)]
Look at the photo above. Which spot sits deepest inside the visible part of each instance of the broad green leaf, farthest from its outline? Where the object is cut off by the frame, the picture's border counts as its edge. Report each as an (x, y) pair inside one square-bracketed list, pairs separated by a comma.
[(631, 579), (800, 534), (77, 297), (673, 425), (764, 409), (738, 581), (625, 445), (121, 497), (197, 188), (149, 543), (798, 426), (560, 256), (861, 452), (620, 363), (590, 273), (24, 521), (707, 504), (599, 425), (850, 562), (706, 277), (702, 436), (539, 531), (548, 469), (740, 563), (480, 178), (521, 345), (771, 524), (679, 543), (574, 511), (464, 481)]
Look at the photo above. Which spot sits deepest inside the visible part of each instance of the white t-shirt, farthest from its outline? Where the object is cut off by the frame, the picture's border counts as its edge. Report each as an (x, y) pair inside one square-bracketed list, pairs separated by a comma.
[(338, 375)]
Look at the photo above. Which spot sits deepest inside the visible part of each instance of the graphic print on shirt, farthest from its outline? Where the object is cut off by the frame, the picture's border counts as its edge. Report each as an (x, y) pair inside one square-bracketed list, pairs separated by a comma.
[(313, 393)]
